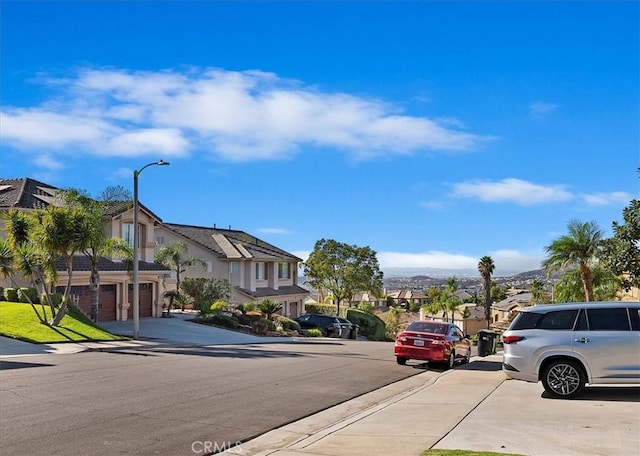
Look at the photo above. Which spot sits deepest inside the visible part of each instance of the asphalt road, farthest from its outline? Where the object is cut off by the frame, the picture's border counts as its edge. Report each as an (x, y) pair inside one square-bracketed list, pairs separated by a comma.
[(162, 401)]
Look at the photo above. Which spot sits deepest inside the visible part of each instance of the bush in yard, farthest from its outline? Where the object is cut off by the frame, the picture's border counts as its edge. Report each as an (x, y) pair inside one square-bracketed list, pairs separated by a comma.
[(314, 332), (372, 327), (317, 308), (224, 321), (288, 323), (269, 307), (218, 307), (366, 306), (249, 306), (1, 293), (11, 294), (28, 294), (263, 325), (56, 299)]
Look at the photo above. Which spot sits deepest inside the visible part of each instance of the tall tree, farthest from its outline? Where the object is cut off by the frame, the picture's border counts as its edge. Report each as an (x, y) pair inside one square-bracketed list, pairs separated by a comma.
[(343, 269), (176, 257), (569, 287), (37, 239), (203, 292), (578, 248), (98, 243), (486, 267), (621, 253)]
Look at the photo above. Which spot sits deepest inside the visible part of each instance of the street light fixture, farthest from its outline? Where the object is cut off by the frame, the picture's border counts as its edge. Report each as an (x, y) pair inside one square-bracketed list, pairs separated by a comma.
[(136, 229)]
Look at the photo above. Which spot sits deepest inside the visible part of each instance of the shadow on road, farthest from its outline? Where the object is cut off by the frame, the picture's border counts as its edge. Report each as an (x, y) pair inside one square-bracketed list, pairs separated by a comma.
[(604, 393), (19, 365), (488, 366)]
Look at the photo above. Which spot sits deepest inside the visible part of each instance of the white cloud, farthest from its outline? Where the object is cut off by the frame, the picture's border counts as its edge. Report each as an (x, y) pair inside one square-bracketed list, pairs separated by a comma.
[(604, 199), (540, 110), (512, 190), (431, 259), (238, 116), (46, 161)]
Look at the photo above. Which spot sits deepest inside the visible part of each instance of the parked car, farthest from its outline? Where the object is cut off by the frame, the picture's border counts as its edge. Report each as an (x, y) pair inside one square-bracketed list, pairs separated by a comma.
[(434, 342), (330, 326), (567, 346)]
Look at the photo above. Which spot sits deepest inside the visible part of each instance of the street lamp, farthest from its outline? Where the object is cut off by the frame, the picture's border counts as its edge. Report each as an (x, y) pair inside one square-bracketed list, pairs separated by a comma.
[(136, 229)]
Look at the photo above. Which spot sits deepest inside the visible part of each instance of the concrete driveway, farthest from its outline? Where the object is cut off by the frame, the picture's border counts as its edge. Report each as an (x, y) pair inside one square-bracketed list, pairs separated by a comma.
[(178, 329)]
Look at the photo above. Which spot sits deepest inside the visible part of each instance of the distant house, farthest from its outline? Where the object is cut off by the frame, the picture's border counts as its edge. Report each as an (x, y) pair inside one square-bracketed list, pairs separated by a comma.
[(500, 311), (408, 297), (255, 269)]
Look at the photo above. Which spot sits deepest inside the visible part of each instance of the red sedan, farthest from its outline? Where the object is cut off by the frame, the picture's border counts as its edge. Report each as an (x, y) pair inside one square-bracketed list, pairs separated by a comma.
[(433, 341)]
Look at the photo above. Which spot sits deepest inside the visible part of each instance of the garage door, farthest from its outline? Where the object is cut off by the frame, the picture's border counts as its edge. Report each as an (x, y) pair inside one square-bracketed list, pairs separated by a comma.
[(107, 303), (146, 300)]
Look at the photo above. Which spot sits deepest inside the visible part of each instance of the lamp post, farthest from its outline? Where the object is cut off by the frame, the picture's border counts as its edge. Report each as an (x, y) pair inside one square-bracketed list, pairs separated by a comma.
[(136, 229)]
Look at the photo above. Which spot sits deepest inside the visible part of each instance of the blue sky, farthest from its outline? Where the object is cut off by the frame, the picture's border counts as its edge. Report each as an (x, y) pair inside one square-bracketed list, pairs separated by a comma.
[(433, 132)]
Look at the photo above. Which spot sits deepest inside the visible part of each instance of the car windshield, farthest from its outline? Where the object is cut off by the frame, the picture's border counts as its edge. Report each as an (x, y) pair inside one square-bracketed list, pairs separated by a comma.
[(427, 327)]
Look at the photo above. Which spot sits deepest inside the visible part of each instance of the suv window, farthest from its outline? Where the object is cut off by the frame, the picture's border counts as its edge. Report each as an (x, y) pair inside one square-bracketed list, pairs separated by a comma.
[(608, 319), (525, 320), (635, 319), (558, 320)]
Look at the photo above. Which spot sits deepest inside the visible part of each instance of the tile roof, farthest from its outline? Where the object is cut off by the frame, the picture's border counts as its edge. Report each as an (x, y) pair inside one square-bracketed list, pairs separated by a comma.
[(231, 244), (266, 292), (517, 300), (82, 263), (25, 193)]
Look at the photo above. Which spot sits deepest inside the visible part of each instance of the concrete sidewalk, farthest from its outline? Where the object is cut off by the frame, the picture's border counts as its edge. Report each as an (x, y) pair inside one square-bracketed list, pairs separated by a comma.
[(472, 407)]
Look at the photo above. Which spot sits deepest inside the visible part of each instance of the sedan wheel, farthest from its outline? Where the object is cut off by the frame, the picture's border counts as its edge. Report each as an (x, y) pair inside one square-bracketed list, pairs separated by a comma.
[(563, 379), (451, 361), (400, 360)]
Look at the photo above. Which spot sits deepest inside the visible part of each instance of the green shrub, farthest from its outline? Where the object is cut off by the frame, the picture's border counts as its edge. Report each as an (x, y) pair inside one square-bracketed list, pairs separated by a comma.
[(414, 307), (11, 294), (372, 327), (314, 332), (269, 307), (326, 309), (56, 299), (28, 294), (366, 306), (263, 325), (288, 323), (224, 321), (1, 293), (249, 306), (218, 307)]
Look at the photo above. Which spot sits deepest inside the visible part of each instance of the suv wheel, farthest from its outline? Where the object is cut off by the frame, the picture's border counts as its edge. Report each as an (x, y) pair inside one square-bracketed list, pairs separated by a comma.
[(563, 378)]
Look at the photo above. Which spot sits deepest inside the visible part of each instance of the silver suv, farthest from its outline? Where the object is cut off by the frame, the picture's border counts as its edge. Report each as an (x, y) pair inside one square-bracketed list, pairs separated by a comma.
[(569, 345)]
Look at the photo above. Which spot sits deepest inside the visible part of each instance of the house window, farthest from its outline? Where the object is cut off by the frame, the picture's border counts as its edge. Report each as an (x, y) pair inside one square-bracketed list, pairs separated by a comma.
[(160, 240), (209, 266), (261, 271), (283, 271), (127, 233), (235, 267)]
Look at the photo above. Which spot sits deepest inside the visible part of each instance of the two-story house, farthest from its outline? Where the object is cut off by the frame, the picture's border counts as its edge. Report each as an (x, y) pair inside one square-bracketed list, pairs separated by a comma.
[(255, 269)]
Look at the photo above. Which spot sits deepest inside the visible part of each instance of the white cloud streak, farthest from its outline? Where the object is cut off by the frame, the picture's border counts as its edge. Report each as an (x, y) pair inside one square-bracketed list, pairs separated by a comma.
[(512, 190), (236, 116), (540, 110), (605, 199)]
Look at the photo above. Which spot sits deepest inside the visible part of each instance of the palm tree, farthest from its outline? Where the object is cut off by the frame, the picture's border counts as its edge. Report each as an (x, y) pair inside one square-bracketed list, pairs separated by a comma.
[(175, 257), (269, 307), (98, 245), (486, 267), (578, 248), (605, 285)]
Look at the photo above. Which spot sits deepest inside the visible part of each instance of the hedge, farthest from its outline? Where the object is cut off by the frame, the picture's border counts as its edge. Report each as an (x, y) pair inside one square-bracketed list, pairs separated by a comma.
[(371, 326), (28, 294), (11, 295), (326, 309)]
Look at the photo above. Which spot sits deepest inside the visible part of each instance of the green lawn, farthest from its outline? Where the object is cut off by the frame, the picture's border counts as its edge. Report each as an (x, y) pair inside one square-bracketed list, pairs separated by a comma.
[(464, 453), (18, 321)]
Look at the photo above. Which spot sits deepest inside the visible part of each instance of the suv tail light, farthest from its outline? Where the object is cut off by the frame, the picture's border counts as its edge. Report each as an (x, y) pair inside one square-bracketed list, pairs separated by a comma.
[(511, 339)]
